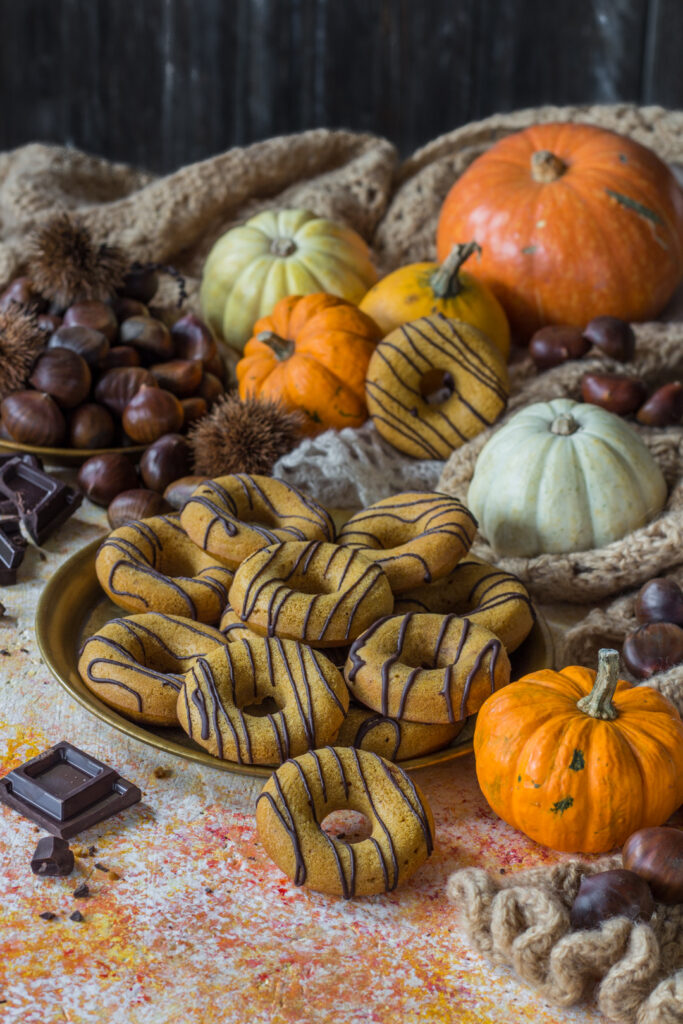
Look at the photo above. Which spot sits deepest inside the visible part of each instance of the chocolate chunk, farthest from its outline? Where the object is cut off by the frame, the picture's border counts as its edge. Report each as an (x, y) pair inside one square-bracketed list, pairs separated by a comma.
[(65, 790), (52, 857), (40, 500), (81, 892), (76, 916), (100, 867), (12, 550), (47, 915)]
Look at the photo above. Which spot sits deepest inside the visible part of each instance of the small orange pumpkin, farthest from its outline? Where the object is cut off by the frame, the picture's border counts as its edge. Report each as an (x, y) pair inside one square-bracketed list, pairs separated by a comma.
[(578, 761), (311, 355)]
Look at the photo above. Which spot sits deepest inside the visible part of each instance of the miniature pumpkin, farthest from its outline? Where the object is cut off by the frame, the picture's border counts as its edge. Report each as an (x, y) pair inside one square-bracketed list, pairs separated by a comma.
[(274, 254), (311, 356), (562, 476), (574, 222), (423, 288), (434, 383), (578, 760)]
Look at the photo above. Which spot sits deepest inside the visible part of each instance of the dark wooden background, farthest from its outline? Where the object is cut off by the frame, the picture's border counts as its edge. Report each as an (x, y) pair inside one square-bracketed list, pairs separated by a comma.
[(160, 83)]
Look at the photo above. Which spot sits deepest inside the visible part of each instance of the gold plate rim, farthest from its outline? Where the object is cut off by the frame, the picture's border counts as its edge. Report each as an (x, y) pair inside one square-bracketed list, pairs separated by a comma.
[(69, 456), (67, 595)]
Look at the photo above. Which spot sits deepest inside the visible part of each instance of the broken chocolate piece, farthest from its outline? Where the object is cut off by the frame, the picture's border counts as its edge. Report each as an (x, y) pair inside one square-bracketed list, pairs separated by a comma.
[(12, 550), (52, 857), (40, 500), (76, 916), (65, 790), (47, 915), (81, 892)]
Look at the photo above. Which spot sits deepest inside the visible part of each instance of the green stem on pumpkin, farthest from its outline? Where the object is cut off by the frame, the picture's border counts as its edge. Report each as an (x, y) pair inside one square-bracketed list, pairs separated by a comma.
[(282, 347), (546, 167), (444, 281), (564, 424), (598, 703)]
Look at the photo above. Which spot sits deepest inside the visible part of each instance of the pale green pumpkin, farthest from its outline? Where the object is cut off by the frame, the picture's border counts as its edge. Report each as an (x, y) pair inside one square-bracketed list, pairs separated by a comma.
[(562, 476), (278, 253)]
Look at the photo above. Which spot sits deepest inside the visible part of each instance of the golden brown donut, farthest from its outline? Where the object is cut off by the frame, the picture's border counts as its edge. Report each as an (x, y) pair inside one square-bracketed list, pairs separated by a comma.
[(304, 791), (426, 668), (310, 694), (395, 739), (485, 595), (232, 628), (234, 516), (416, 537), (151, 565), (137, 664), (321, 594)]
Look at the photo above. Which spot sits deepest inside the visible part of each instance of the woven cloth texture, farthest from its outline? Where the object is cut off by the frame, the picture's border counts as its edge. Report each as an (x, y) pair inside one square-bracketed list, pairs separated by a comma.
[(634, 970)]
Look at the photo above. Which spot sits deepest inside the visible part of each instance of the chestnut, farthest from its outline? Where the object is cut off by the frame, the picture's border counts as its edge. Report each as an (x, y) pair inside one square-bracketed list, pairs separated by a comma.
[(102, 477), (140, 283), (216, 366), (612, 336), (192, 339), (121, 355), (653, 648), (62, 374), (617, 893), (194, 408), (556, 344), (124, 307), (48, 322), (165, 461), (614, 392), (181, 376), (664, 408), (149, 336), (210, 388), (117, 386), (138, 503), (96, 315), (177, 493), (21, 292), (150, 413), (32, 417), (91, 426), (656, 855), (86, 342), (660, 600)]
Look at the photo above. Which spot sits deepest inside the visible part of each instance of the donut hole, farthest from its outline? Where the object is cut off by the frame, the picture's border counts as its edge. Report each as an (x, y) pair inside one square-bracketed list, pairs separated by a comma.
[(314, 585), (259, 709), (346, 824), (437, 386)]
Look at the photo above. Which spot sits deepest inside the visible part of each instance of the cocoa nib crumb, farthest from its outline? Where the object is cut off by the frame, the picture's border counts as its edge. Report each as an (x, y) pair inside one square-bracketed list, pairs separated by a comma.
[(76, 916), (92, 850), (100, 867), (162, 773), (47, 915), (81, 892), (208, 891)]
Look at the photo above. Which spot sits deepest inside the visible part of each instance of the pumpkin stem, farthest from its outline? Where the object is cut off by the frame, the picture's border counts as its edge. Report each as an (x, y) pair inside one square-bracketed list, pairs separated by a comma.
[(546, 167), (598, 703), (282, 246), (444, 280), (564, 424), (282, 347)]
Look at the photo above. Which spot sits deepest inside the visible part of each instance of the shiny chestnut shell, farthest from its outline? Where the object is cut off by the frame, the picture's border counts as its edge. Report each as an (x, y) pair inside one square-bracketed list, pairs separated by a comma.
[(181, 376), (21, 292), (97, 315), (150, 413), (614, 392), (32, 417), (194, 408), (138, 503), (62, 374), (653, 648), (192, 339), (124, 307), (118, 386), (656, 855), (210, 388), (140, 283), (612, 336), (664, 408), (166, 460), (89, 344), (91, 426), (102, 477), (151, 337), (556, 344), (177, 493), (660, 600), (617, 893), (120, 355)]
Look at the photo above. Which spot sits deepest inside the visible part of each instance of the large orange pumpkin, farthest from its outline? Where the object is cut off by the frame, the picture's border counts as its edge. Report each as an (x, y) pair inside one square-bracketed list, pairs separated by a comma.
[(574, 222), (311, 355), (577, 760)]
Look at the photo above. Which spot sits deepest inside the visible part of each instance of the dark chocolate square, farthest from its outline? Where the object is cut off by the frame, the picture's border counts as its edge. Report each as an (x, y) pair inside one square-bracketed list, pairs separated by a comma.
[(42, 501)]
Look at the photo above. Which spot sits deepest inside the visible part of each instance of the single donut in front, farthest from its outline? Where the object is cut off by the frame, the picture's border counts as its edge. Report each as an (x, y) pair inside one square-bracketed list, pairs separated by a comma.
[(260, 701), (303, 792), (485, 595), (416, 537), (233, 516), (395, 739), (136, 664), (151, 565), (426, 668), (321, 594)]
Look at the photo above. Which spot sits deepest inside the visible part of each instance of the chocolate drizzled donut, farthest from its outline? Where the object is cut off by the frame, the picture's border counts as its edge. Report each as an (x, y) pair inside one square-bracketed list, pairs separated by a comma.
[(395, 739), (416, 537), (234, 516), (304, 791)]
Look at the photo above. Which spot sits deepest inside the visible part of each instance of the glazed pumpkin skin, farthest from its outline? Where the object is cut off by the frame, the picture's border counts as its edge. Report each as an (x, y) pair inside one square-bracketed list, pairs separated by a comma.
[(311, 355), (274, 254), (420, 289), (571, 781), (574, 222)]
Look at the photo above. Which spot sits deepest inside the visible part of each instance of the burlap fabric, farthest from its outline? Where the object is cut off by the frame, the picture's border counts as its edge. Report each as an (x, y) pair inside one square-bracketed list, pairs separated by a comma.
[(636, 970)]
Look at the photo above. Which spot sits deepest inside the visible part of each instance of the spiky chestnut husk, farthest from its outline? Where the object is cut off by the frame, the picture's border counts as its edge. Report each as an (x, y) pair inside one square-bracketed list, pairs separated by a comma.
[(66, 265), (21, 342), (243, 436)]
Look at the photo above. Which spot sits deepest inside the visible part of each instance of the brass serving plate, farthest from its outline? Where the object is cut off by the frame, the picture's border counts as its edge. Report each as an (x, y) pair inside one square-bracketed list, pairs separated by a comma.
[(72, 606), (69, 456)]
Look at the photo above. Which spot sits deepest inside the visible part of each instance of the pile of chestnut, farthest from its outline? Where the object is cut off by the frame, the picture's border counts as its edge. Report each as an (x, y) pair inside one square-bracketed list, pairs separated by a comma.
[(657, 644), (112, 374), (617, 393)]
